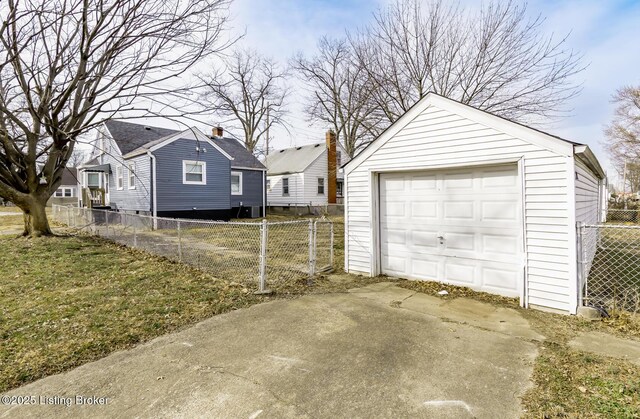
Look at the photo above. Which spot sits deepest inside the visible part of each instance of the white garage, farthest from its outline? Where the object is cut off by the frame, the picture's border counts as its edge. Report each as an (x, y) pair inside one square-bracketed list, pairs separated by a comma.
[(453, 194)]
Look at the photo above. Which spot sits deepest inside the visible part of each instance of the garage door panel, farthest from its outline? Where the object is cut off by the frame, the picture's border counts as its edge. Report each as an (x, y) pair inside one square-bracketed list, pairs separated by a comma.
[(458, 210), (460, 272), (462, 180), (478, 214), (426, 239), (506, 211), (461, 241), (500, 178), (423, 183), (424, 209), (500, 245)]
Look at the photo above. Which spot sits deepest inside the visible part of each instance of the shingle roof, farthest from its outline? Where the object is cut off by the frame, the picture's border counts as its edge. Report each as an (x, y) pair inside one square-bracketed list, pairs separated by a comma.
[(293, 160), (241, 156), (130, 136), (69, 176)]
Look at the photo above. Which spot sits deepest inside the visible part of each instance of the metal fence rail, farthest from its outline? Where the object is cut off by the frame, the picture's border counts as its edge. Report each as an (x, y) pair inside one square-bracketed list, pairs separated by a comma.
[(259, 253), (609, 261)]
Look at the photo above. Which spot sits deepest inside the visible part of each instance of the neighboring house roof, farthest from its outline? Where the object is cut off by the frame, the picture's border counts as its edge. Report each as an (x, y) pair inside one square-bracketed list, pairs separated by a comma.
[(129, 136), (69, 177), (487, 118), (241, 156), (293, 160), (134, 139)]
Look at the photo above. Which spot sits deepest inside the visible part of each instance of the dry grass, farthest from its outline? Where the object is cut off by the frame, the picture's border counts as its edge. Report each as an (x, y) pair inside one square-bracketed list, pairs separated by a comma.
[(65, 301)]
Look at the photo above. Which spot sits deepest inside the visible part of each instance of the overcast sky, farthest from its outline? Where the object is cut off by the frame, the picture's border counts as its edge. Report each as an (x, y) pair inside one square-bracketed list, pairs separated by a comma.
[(606, 32)]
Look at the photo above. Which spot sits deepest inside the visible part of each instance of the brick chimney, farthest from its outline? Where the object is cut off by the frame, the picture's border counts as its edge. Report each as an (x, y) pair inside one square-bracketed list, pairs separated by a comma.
[(218, 132), (332, 169)]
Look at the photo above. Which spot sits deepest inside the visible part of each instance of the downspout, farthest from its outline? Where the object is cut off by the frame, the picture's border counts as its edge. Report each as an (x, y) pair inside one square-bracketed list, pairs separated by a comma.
[(154, 208)]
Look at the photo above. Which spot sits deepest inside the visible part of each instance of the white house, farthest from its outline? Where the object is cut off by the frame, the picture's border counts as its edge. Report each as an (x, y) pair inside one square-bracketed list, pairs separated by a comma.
[(308, 175), (453, 194)]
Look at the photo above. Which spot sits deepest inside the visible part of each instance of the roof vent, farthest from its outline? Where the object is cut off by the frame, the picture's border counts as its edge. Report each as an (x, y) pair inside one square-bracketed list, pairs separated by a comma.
[(282, 151), (298, 148), (317, 145), (147, 128)]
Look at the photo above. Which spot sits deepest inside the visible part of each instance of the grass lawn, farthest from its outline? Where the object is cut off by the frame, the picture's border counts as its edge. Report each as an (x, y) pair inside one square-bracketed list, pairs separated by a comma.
[(65, 301)]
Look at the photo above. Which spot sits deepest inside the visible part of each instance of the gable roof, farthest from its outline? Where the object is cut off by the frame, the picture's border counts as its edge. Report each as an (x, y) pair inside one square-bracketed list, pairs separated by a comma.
[(134, 139), (294, 159), (130, 136), (241, 156), (546, 140), (69, 177)]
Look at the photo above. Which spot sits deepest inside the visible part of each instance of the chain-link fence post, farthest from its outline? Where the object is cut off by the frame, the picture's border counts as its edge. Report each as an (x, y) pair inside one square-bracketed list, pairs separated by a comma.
[(179, 242), (312, 267), (106, 223), (331, 245), (68, 216), (262, 281), (135, 235), (580, 262)]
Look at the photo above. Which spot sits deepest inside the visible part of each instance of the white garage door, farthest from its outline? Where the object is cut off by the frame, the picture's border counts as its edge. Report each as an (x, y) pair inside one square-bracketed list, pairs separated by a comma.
[(461, 227)]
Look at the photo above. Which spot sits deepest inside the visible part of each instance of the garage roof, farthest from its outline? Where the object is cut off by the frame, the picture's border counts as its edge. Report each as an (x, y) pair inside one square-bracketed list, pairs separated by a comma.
[(499, 123)]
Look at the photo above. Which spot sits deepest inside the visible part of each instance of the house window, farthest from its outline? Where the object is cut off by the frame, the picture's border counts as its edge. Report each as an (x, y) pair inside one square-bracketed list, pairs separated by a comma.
[(320, 186), (269, 185), (63, 192), (338, 159), (194, 172), (285, 186), (236, 183), (119, 178), (132, 175), (93, 180), (339, 188)]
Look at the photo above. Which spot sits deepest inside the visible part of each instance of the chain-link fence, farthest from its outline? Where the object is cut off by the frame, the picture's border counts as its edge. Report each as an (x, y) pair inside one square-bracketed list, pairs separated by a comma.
[(261, 253), (609, 261)]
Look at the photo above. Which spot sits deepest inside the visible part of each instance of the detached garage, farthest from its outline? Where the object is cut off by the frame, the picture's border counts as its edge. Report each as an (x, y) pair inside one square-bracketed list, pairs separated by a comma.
[(453, 194)]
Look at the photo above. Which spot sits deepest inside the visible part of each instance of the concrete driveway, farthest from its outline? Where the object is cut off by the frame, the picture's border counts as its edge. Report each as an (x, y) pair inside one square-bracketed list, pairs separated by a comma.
[(379, 351)]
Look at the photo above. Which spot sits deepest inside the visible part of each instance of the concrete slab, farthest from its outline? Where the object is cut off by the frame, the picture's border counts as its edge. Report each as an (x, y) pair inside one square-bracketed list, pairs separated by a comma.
[(317, 356), (460, 310), (607, 345)]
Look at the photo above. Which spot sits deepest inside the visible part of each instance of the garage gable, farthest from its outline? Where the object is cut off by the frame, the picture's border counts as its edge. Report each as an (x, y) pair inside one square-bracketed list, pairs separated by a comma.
[(539, 138)]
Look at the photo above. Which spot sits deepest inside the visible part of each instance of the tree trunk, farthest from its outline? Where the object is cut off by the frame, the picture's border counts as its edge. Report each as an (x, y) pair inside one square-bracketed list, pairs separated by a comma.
[(36, 223)]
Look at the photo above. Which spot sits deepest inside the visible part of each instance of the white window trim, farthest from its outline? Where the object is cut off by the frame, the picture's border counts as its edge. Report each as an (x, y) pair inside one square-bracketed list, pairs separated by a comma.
[(87, 180), (132, 175), (240, 175), (324, 186), (184, 172), (119, 177), (62, 190)]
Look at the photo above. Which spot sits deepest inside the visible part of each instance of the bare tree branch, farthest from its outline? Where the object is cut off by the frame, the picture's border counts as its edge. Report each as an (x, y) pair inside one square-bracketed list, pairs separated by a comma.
[(67, 65), (250, 90)]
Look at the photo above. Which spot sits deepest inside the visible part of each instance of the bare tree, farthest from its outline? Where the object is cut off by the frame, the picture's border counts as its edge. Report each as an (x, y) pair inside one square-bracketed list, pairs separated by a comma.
[(496, 59), (339, 92), (67, 65), (250, 90), (623, 136)]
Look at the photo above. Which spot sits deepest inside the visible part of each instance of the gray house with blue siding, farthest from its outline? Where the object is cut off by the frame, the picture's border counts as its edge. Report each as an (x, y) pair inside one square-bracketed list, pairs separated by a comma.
[(167, 173)]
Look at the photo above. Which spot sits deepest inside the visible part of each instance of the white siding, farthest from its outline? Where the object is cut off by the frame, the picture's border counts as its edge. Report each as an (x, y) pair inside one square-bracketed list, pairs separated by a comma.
[(303, 187), (317, 169), (436, 139), (296, 190), (587, 211)]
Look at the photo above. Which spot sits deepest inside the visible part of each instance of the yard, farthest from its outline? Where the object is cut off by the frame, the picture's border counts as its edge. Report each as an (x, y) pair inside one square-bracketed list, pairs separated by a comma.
[(73, 299)]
